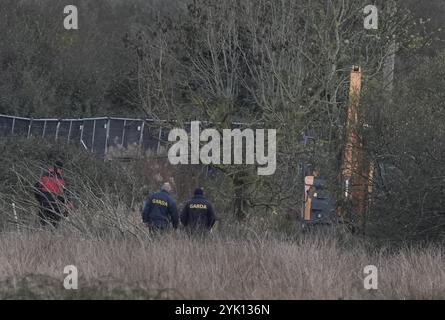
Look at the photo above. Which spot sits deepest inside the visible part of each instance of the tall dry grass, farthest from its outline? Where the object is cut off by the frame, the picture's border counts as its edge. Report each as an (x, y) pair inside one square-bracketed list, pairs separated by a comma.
[(118, 258), (215, 267)]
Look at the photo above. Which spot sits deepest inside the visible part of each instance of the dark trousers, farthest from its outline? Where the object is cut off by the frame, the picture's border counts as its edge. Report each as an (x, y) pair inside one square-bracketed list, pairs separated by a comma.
[(49, 214), (157, 230)]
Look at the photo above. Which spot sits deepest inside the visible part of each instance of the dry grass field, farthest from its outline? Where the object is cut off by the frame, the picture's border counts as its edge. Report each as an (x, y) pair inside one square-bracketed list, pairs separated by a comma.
[(174, 266), (266, 257)]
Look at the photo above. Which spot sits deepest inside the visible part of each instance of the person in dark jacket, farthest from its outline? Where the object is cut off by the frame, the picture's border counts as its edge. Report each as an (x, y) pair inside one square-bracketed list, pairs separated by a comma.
[(50, 194), (160, 210), (198, 214)]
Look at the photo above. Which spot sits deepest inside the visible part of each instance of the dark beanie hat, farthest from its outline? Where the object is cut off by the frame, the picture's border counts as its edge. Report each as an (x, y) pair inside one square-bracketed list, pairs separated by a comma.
[(199, 192)]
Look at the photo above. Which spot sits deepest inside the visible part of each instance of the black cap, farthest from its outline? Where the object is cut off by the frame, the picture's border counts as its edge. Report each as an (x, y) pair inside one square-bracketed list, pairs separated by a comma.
[(199, 191), (58, 164)]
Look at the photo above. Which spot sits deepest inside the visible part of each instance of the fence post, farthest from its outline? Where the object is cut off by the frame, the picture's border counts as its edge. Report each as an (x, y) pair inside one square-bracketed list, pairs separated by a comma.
[(13, 125), (107, 136), (29, 128), (16, 219), (141, 137), (44, 129), (82, 126), (94, 133), (123, 133), (159, 140), (57, 129), (69, 130)]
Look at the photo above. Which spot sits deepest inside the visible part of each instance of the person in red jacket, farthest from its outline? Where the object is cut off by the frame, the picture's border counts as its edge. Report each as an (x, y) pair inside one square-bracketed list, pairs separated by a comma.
[(50, 193)]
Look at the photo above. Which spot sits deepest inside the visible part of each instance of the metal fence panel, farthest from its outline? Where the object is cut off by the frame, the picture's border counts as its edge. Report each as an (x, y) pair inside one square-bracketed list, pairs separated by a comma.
[(37, 128), (63, 130), (100, 136), (132, 133), (94, 134), (87, 133), (163, 138), (21, 127), (76, 130), (150, 137), (51, 129), (115, 132), (5, 126)]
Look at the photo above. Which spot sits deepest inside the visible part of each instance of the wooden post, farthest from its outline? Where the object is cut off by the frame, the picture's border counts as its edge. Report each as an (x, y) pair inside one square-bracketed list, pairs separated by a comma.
[(308, 195), (354, 177)]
